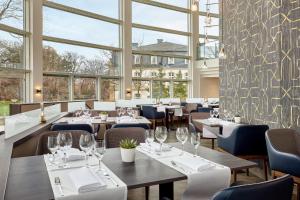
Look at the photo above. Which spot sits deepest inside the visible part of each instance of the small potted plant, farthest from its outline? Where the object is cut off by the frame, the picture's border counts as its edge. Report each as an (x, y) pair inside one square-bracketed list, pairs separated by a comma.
[(237, 118), (103, 116), (127, 147)]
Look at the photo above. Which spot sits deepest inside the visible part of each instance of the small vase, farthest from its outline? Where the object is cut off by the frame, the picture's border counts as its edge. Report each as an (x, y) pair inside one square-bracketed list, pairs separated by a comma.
[(128, 155), (237, 120)]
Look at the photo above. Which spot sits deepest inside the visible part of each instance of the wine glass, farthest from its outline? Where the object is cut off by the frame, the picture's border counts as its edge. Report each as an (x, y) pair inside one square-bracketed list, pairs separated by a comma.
[(119, 112), (211, 113), (149, 137), (52, 146), (182, 136), (195, 140), (86, 143), (123, 111), (64, 140), (161, 134), (129, 112), (216, 113), (99, 150)]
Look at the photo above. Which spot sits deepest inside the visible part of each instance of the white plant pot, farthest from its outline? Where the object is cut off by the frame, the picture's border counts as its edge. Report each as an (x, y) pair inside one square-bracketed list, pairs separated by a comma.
[(103, 117), (128, 155), (237, 120)]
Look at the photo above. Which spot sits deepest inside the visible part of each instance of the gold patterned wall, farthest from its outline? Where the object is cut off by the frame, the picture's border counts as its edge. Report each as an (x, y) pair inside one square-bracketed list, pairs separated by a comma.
[(260, 79)]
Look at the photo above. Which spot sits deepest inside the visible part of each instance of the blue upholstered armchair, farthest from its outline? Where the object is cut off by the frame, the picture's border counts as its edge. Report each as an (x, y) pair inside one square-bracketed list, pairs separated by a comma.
[(277, 189), (247, 142), (284, 151), (131, 125), (69, 127), (151, 113), (202, 109)]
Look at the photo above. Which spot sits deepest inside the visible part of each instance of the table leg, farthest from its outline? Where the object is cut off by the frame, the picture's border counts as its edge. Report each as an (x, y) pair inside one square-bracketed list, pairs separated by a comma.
[(167, 118), (166, 191)]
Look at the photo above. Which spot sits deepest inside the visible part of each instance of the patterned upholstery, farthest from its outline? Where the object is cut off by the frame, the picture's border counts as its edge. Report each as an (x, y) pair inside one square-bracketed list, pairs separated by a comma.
[(115, 135)]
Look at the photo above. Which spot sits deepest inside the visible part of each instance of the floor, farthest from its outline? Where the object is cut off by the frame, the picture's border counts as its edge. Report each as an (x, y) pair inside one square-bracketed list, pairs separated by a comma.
[(139, 194)]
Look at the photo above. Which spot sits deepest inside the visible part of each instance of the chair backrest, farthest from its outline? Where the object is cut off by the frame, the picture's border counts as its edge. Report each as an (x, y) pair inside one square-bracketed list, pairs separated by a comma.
[(277, 189), (203, 109), (245, 140), (115, 135), (144, 126), (191, 107), (43, 140), (149, 112), (69, 127), (198, 115)]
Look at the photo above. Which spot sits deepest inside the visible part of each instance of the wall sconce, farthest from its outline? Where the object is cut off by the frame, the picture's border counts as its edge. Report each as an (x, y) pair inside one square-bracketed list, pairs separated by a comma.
[(38, 91), (128, 92)]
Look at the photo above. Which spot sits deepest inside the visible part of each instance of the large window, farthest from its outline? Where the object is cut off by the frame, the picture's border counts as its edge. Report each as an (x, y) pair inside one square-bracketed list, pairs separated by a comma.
[(160, 48), (82, 44), (13, 67), (56, 88)]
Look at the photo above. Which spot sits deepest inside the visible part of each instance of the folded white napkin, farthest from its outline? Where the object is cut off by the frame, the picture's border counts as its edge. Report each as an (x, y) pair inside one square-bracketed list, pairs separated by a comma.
[(85, 180), (127, 119), (156, 146), (192, 164), (72, 154)]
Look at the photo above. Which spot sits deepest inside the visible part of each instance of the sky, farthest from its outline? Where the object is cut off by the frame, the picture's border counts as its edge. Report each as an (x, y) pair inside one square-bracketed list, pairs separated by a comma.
[(70, 26)]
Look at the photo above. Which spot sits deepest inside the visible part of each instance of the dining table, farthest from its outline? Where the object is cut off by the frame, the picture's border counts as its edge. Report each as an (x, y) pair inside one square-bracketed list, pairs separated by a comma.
[(28, 177)]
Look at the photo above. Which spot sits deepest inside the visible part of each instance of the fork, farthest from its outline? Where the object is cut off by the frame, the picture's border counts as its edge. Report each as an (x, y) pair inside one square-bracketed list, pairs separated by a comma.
[(58, 183)]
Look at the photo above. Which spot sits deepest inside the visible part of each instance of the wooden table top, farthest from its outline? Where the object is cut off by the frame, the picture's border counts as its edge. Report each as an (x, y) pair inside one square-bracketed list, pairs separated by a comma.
[(28, 177)]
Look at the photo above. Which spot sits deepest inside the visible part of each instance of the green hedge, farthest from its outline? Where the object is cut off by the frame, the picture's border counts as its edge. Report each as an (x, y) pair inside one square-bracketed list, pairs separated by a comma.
[(4, 108)]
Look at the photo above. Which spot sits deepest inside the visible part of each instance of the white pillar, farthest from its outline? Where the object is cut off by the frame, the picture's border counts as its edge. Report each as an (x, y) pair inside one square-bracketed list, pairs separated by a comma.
[(127, 49), (36, 50), (194, 89)]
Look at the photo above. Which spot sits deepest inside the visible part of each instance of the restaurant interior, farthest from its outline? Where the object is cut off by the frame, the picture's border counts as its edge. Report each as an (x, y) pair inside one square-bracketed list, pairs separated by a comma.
[(149, 99)]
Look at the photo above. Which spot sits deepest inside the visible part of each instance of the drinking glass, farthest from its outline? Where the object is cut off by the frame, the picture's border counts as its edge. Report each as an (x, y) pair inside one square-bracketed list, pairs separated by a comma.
[(161, 134), (211, 113), (195, 140), (216, 113), (99, 150), (86, 113), (52, 146), (86, 143), (123, 111), (182, 136), (64, 140), (149, 137), (129, 112)]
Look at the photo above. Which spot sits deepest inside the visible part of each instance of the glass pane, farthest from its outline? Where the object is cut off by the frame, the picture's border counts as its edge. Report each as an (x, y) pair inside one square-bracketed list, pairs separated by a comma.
[(144, 14), (84, 88), (11, 92), (55, 88), (110, 89), (209, 50), (160, 89), (11, 51), (144, 68), (179, 3), (212, 5), (212, 29), (108, 8), (11, 13), (75, 59), (61, 24), (180, 89), (141, 89), (145, 40)]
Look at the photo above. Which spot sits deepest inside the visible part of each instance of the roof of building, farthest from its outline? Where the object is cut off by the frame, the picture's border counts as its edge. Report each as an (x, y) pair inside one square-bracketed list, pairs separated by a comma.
[(162, 46)]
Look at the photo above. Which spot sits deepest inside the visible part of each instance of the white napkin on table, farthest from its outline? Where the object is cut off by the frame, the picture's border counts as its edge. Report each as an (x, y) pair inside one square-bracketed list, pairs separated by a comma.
[(192, 164), (72, 154), (156, 146), (85, 180)]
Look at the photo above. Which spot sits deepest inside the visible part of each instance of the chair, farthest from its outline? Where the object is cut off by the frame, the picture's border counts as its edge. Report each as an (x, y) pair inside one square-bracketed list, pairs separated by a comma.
[(151, 113), (115, 135), (43, 140), (277, 189), (203, 109), (144, 126), (284, 153), (69, 127), (247, 142), (199, 126)]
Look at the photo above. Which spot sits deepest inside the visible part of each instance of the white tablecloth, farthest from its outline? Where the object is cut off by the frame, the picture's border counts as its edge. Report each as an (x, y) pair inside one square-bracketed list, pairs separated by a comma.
[(202, 184), (228, 127), (111, 191)]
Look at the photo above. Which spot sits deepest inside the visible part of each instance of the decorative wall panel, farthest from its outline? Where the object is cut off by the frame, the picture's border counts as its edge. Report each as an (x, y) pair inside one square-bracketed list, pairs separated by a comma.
[(260, 78)]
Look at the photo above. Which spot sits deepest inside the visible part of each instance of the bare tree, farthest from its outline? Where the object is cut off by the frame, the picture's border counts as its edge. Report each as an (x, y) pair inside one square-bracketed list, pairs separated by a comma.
[(11, 9)]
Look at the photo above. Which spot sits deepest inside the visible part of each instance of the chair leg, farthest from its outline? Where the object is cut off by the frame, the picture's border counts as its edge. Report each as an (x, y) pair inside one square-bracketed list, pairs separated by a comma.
[(297, 191), (213, 143), (154, 124), (147, 188), (266, 169), (234, 175)]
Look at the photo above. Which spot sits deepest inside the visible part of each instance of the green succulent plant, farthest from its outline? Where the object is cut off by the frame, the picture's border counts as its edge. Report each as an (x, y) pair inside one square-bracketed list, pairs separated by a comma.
[(128, 143), (103, 113)]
